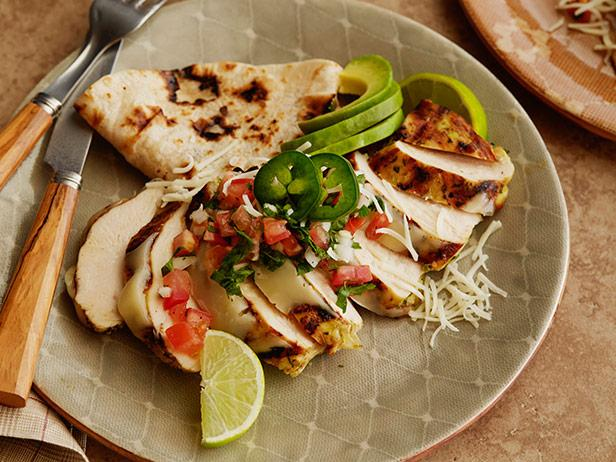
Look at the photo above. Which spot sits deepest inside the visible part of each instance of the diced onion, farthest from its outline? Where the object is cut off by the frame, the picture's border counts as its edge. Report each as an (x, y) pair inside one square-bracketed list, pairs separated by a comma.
[(164, 292), (199, 216), (312, 258)]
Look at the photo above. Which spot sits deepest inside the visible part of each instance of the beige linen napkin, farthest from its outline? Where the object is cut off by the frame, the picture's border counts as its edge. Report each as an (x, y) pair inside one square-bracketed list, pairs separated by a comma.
[(37, 434)]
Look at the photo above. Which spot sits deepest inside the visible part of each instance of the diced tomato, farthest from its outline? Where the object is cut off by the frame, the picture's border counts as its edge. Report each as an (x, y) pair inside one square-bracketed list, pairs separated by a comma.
[(319, 236), (199, 319), (213, 257), (274, 230), (235, 190), (184, 338), (223, 224), (355, 223), (378, 220), (246, 222), (179, 283), (185, 244), (291, 247), (178, 312), (214, 238), (352, 275)]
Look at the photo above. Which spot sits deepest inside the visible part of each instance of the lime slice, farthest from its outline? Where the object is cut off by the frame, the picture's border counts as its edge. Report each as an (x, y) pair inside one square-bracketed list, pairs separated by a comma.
[(448, 92), (232, 388)]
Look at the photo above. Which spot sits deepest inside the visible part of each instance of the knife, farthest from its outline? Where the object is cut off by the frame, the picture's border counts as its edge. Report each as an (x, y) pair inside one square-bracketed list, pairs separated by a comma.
[(27, 302)]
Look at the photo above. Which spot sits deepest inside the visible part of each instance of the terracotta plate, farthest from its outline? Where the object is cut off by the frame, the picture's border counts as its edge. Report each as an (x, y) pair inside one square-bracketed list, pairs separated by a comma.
[(396, 397), (560, 67)]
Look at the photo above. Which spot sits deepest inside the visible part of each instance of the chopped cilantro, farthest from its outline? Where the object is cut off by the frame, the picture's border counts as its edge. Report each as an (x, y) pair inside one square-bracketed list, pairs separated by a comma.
[(303, 267), (346, 291), (356, 245), (271, 258), (363, 211), (361, 178), (227, 276), (303, 235), (168, 267)]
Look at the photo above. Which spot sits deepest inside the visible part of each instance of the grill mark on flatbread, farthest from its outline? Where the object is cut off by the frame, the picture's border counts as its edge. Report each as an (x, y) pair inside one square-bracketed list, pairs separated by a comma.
[(254, 92), (207, 81), (214, 128), (315, 105), (203, 112)]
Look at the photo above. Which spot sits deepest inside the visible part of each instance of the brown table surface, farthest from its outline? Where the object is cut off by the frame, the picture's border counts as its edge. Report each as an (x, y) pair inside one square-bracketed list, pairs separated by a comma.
[(563, 407)]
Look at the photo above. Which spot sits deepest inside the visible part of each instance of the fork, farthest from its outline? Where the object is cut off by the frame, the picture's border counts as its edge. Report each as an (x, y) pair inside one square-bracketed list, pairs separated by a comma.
[(110, 21)]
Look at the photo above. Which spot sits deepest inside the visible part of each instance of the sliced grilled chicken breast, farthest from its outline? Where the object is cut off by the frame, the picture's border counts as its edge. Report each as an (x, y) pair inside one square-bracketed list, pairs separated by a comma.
[(436, 127), (471, 185), (98, 277), (437, 232), (395, 275), (161, 253), (317, 314), (271, 334)]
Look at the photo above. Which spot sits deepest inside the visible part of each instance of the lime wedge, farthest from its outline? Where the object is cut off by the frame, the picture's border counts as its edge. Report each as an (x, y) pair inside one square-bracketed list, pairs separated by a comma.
[(232, 388), (448, 92)]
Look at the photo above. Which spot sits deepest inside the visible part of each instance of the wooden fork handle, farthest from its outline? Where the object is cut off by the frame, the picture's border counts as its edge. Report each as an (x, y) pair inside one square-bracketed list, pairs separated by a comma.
[(27, 302), (19, 137)]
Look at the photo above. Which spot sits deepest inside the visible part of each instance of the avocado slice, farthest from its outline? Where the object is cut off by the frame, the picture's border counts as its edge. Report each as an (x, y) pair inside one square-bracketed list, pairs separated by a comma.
[(352, 125), (372, 135), (370, 77)]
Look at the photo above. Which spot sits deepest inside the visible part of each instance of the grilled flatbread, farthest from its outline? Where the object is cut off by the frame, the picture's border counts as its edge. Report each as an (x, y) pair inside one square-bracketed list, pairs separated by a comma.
[(161, 120)]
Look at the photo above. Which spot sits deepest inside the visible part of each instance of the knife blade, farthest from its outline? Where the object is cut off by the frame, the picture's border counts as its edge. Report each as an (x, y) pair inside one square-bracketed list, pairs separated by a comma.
[(70, 139), (24, 314)]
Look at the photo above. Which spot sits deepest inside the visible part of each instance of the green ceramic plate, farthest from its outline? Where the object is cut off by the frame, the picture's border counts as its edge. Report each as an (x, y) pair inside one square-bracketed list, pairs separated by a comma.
[(396, 397)]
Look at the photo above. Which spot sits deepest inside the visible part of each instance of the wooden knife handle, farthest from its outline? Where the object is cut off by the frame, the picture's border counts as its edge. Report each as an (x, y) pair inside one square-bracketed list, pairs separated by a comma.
[(27, 302), (19, 137)]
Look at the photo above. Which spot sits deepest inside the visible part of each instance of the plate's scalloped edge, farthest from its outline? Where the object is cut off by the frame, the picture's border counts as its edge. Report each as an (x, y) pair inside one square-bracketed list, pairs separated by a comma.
[(423, 452), (527, 84)]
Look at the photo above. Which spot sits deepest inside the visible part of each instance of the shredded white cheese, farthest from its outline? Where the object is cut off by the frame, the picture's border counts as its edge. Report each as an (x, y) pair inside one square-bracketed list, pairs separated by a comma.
[(269, 207), (366, 191), (304, 147), (187, 168), (249, 207), (460, 294), (184, 189), (239, 176), (599, 24), (400, 238)]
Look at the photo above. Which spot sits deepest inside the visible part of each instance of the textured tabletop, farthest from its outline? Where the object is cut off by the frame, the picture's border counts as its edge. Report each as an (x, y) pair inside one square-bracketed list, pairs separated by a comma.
[(563, 407)]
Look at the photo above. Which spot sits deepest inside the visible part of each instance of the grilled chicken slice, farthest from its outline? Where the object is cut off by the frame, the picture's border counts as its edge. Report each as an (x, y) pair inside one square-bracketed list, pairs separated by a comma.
[(433, 126), (311, 302), (471, 185), (132, 305), (271, 334), (95, 282), (396, 276), (437, 232), (160, 254)]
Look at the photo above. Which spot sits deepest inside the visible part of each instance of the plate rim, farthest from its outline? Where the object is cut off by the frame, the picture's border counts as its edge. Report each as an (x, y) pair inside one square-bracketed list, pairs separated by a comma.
[(518, 75), (424, 452)]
